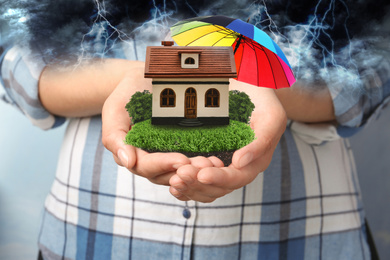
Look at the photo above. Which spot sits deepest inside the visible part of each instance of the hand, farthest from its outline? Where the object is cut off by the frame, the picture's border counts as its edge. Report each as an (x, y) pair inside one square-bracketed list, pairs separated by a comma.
[(105, 86), (157, 167), (206, 180)]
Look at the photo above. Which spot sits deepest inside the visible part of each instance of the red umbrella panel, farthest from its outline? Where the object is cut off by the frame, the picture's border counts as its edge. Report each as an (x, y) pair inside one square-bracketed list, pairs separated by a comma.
[(259, 66)]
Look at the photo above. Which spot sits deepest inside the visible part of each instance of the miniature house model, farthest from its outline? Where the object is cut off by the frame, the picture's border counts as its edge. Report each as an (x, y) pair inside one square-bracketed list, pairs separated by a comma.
[(190, 84)]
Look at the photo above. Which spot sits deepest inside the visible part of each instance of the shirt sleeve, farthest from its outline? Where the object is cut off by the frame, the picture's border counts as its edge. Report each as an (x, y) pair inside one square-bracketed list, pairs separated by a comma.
[(359, 102), (20, 70)]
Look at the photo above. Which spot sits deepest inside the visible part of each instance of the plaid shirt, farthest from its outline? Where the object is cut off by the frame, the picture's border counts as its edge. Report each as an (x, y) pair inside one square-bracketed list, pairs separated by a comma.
[(306, 205)]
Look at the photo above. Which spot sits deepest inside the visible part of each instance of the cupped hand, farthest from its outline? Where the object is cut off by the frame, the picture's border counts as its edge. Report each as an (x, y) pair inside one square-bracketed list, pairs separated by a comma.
[(206, 180), (157, 167)]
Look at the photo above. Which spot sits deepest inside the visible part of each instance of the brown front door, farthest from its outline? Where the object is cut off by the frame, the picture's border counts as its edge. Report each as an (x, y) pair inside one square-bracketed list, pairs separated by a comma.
[(190, 103)]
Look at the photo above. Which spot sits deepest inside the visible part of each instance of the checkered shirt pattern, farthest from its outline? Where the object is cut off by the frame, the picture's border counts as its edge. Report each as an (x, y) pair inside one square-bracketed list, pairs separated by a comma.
[(306, 205)]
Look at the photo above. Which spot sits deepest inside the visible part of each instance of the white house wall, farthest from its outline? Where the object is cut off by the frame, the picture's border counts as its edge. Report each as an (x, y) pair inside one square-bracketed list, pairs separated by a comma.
[(222, 110), (202, 111), (177, 111)]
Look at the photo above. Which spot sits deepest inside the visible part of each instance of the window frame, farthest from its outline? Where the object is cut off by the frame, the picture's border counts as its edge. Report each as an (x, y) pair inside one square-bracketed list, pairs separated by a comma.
[(185, 56), (168, 96), (212, 93)]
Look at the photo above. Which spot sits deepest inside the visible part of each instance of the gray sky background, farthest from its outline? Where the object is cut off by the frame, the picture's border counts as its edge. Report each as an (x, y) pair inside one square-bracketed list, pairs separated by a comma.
[(28, 158)]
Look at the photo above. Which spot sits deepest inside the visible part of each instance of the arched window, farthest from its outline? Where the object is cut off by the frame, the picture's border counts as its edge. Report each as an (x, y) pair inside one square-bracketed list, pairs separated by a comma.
[(167, 98), (189, 60), (212, 98)]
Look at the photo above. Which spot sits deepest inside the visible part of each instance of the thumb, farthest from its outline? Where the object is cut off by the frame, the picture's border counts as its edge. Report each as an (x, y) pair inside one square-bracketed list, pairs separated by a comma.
[(116, 124)]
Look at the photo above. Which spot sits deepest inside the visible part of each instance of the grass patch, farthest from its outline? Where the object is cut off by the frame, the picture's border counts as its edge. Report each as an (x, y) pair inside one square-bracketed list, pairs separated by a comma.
[(190, 139)]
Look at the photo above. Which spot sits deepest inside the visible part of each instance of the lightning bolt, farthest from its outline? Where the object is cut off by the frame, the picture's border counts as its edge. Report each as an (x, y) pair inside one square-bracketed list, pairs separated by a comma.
[(103, 32), (103, 37), (301, 39)]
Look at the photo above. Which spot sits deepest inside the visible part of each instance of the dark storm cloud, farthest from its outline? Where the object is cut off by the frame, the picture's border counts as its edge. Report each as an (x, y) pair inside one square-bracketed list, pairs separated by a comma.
[(322, 39)]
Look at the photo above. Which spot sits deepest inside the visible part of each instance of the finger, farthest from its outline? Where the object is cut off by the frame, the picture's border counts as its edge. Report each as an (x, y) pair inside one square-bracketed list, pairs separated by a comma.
[(216, 161), (178, 195), (185, 183), (198, 192), (162, 179), (150, 165), (201, 162), (228, 178), (268, 120), (251, 152), (201, 192), (124, 155), (267, 138), (117, 160), (116, 124), (186, 174)]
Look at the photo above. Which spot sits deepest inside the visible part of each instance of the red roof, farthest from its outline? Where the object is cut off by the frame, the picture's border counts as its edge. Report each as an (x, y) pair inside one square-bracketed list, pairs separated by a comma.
[(165, 62)]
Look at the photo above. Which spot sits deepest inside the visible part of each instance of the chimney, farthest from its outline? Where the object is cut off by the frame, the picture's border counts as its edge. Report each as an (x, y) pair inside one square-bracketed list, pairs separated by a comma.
[(167, 43)]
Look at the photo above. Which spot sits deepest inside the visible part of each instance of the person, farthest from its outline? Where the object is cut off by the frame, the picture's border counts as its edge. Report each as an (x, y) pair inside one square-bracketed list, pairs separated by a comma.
[(292, 193)]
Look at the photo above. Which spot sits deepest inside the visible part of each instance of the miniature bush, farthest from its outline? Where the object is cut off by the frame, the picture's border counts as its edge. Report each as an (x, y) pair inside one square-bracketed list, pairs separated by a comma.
[(190, 139), (240, 106), (140, 106)]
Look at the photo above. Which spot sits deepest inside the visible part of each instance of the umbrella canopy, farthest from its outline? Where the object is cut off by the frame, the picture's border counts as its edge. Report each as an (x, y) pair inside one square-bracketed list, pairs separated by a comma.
[(259, 60)]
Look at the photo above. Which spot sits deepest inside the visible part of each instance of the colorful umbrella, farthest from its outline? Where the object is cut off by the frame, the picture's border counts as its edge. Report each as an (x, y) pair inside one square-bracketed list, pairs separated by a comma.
[(259, 60)]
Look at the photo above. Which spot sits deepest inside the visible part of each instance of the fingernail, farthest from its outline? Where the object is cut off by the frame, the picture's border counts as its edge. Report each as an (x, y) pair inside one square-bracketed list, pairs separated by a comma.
[(245, 160), (180, 187), (176, 193), (123, 158)]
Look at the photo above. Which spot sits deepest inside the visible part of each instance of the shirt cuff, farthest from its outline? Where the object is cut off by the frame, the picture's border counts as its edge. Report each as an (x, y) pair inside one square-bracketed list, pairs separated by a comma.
[(357, 103), (20, 71)]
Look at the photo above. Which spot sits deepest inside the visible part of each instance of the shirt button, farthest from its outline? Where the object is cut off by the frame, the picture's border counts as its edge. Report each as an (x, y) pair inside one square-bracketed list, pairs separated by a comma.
[(186, 213)]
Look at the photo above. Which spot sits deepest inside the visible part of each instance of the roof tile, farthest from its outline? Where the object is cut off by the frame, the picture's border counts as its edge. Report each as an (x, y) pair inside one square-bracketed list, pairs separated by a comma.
[(165, 62)]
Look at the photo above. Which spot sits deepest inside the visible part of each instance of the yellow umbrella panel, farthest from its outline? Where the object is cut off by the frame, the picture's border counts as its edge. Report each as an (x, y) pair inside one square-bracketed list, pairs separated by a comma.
[(203, 34)]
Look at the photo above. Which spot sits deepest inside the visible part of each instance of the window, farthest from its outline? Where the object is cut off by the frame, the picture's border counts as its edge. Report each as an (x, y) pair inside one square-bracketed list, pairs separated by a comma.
[(189, 61), (167, 98), (212, 98)]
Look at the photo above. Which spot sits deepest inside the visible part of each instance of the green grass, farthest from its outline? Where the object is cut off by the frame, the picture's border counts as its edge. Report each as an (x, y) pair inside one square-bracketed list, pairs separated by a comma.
[(190, 139)]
